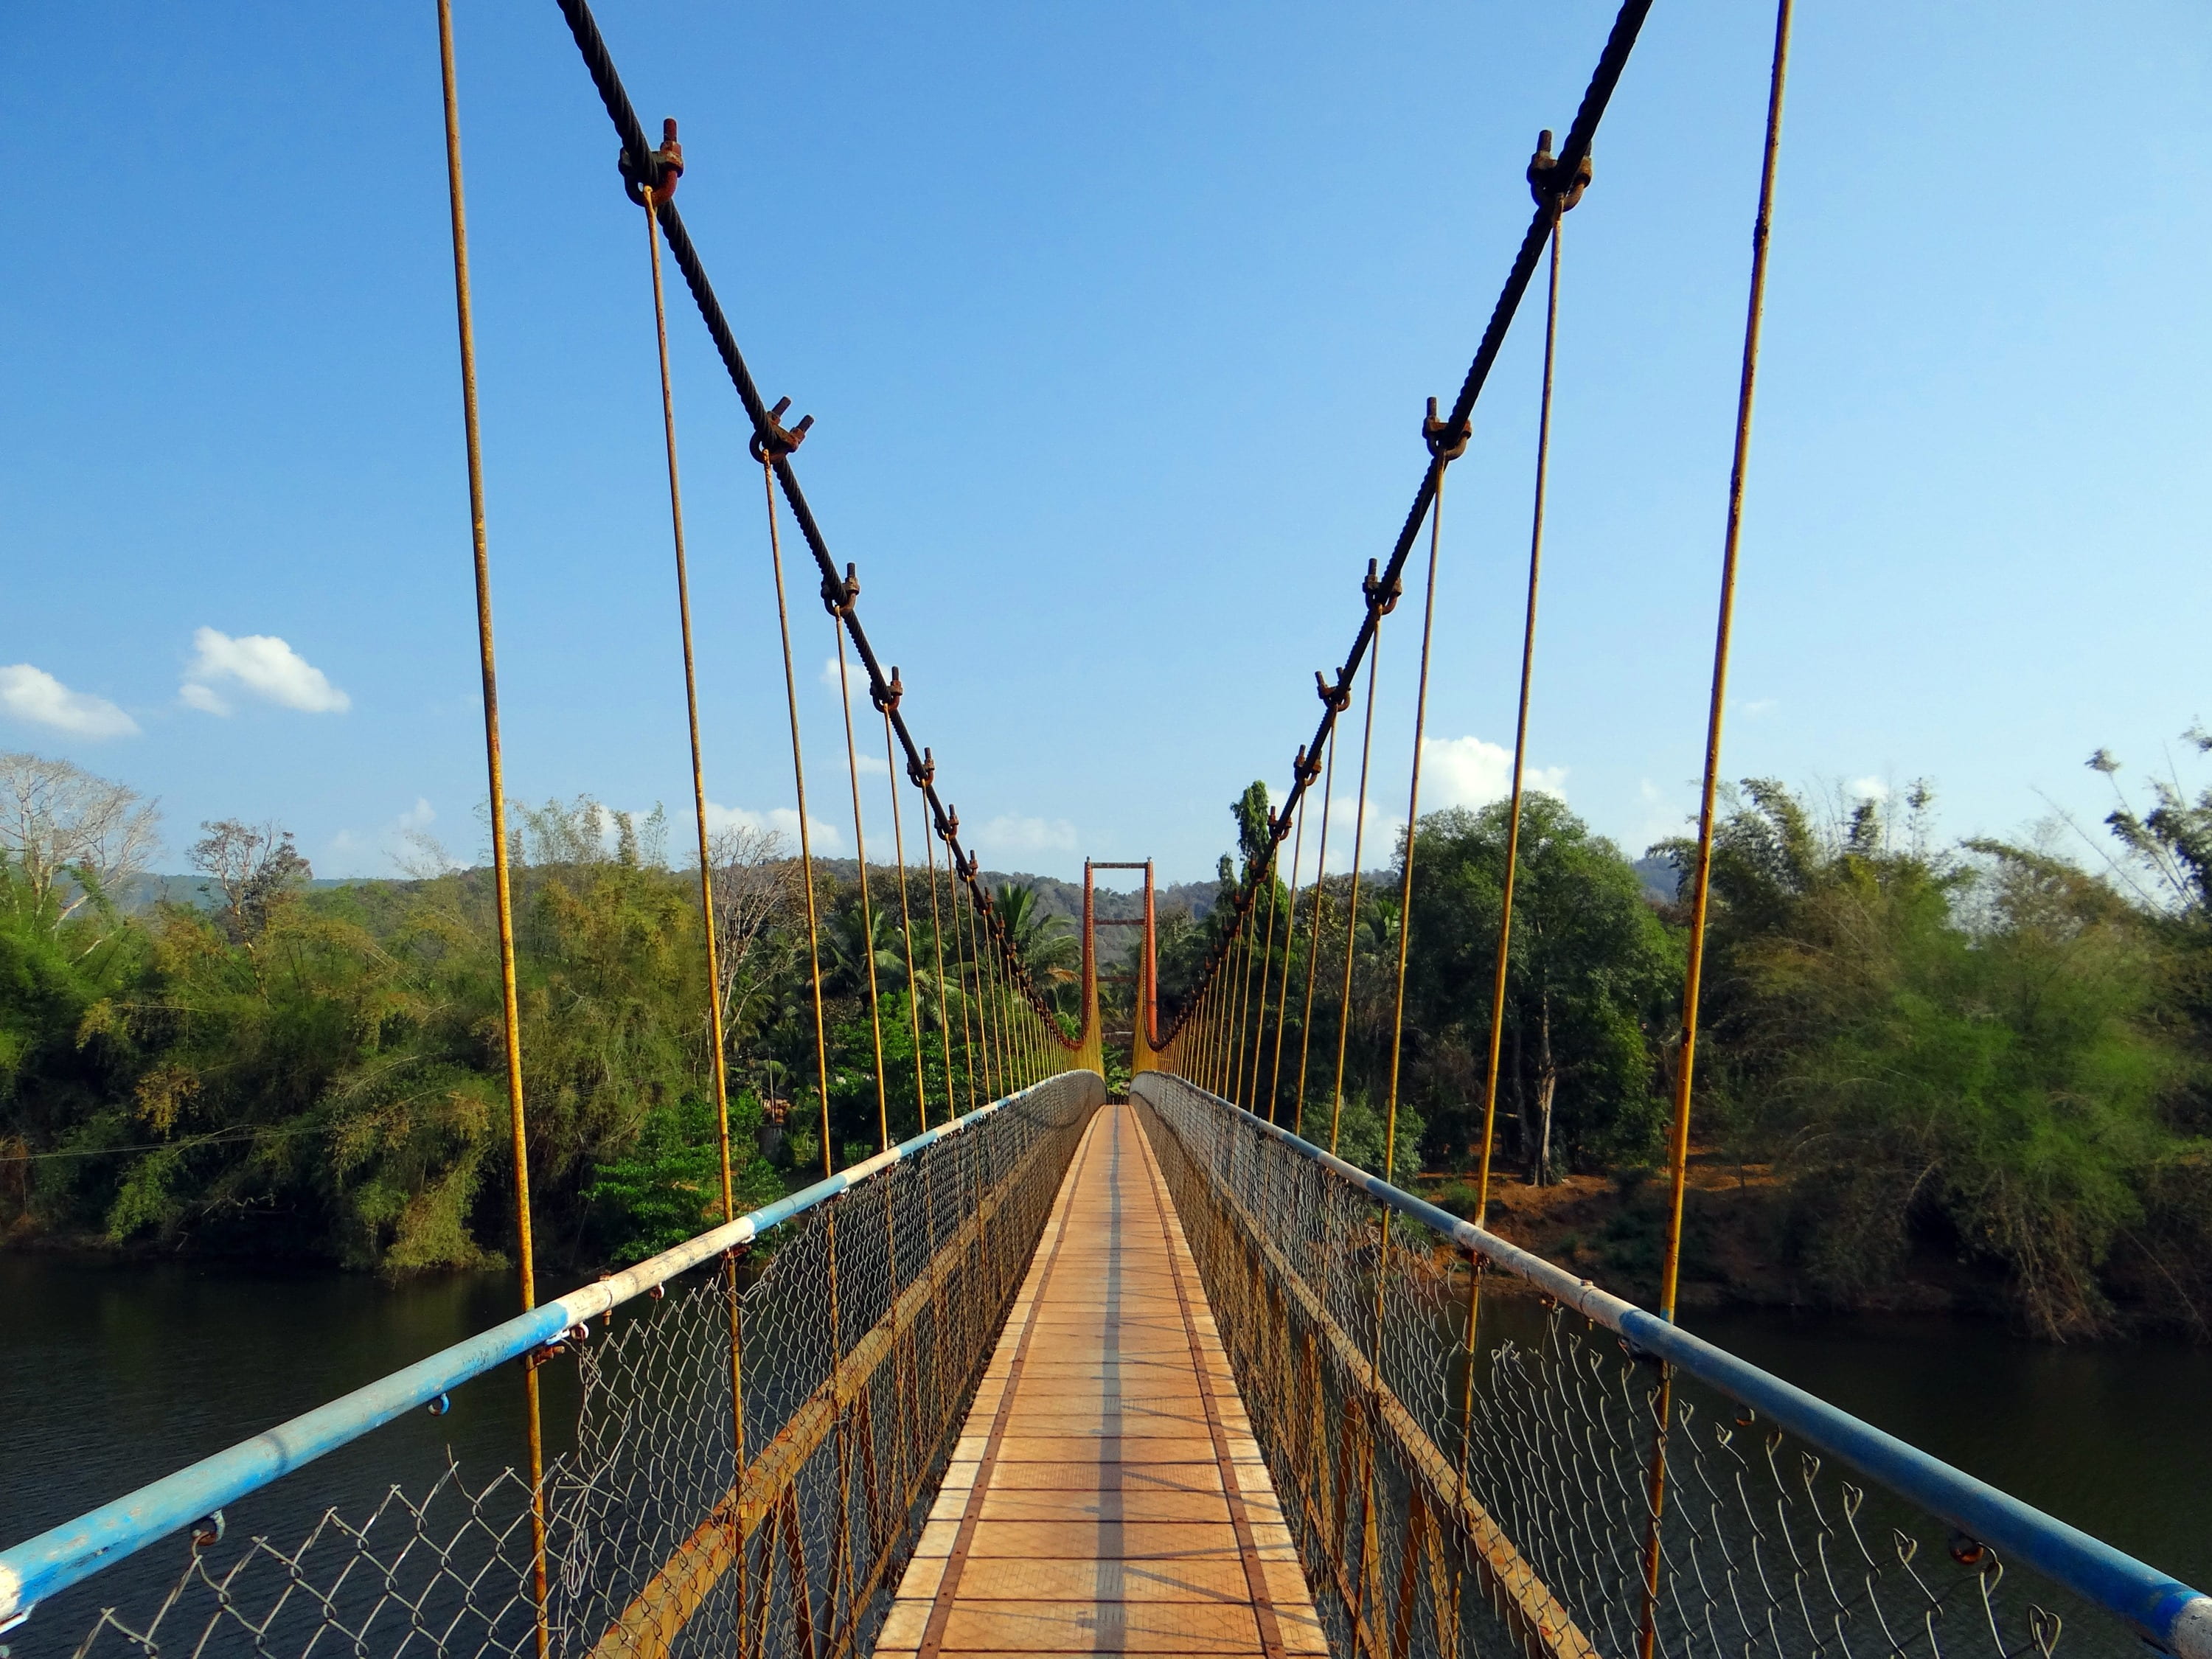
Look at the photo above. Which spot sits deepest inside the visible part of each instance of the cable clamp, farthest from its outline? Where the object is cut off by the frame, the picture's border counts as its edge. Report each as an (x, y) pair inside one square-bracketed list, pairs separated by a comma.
[(573, 1338), (1379, 600), (1549, 182), (838, 598), (773, 441), (1337, 696), (921, 773), (1969, 1551), (1446, 443), (1306, 770), (658, 172), (887, 697)]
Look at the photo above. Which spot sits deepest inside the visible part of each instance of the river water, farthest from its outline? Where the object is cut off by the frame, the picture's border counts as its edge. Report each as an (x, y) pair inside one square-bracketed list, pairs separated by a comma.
[(2115, 1438), (111, 1376)]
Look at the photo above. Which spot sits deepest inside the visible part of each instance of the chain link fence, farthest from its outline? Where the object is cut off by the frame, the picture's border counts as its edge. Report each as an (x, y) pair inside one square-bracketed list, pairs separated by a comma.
[(1464, 1439), (1468, 1460), (756, 1445)]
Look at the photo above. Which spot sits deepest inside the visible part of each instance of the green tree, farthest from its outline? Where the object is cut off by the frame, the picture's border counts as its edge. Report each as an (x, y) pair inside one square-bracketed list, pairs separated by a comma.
[(1047, 943), (1958, 1049), (65, 834), (1592, 977)]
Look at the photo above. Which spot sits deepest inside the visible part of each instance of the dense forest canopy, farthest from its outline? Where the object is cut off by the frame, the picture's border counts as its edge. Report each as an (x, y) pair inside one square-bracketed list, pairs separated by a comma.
[(318, 1071), (1981, 1048)]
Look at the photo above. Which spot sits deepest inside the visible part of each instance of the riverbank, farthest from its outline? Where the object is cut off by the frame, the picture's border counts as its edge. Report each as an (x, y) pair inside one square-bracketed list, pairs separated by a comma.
[(1743, 1245), (119, 1373)]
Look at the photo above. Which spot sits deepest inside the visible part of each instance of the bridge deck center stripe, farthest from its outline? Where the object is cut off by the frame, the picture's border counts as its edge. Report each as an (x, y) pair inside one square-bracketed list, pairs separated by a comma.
[(948, 1590), (1255, 1574), (1108, 1499)]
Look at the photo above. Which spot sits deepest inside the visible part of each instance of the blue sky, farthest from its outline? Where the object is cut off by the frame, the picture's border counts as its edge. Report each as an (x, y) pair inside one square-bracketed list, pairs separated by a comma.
[(1116, 324)]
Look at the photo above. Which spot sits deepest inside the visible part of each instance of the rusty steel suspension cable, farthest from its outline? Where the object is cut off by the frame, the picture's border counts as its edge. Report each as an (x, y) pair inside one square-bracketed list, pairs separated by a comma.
[(1613, 60), (920, 779), (813, 953), (960, 949), (906, 910), (1209, 1034), (495, 769), (1413, 825), (1351, 903), (1256, 999), (719, 1067), (1249, 1023), (1207, 1024), (968, 1033), (979, 972), (1017, 1033), (994, 1013), (1406, 889), (993, 1077), (670, 156), (1289, 949), (1564, 199), (1240, 1001), (1321, 883), (805, 836), (1267, 968), (835, 600), (771, 442), (1677, 1152)]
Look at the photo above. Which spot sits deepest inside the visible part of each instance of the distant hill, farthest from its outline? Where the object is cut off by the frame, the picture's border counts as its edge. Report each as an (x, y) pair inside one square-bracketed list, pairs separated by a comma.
[(1056, 897), (1659, 877), (141, 893)]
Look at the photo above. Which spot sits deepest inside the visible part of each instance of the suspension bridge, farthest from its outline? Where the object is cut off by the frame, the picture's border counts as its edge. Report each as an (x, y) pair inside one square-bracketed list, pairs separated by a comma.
[(1063, 1374)]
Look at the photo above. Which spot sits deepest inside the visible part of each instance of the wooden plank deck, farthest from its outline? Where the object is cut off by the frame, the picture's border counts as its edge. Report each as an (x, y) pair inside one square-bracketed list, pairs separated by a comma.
[(1107, 1495)]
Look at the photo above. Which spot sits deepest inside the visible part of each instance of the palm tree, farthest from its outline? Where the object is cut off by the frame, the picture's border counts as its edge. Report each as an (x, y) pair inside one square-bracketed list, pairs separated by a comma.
[(1047, 944), (846, 970)]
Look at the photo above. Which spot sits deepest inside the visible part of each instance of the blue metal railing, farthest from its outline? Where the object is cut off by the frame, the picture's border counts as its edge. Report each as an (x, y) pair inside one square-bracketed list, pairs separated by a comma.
[(41, 1567), (2169, 1614)]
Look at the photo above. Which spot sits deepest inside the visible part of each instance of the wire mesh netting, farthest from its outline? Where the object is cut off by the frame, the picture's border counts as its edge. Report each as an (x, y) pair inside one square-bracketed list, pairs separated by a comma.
[(854, 1336), (1468, 1467)]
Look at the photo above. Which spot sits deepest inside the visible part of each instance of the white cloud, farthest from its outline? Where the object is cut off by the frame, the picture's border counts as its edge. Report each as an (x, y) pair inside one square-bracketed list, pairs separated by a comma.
[(1009, 834), (1377, 841), (1658, 817), (1868, 789), (1454, 772), (1759, 708), (33, 695), (856, 679), (261, 664), (783, 820), (402, 843), (865, 717), (1469, 772)]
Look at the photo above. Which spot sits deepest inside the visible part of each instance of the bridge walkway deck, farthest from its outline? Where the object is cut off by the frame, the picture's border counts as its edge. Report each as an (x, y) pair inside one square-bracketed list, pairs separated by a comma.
[(1106, 1495)]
